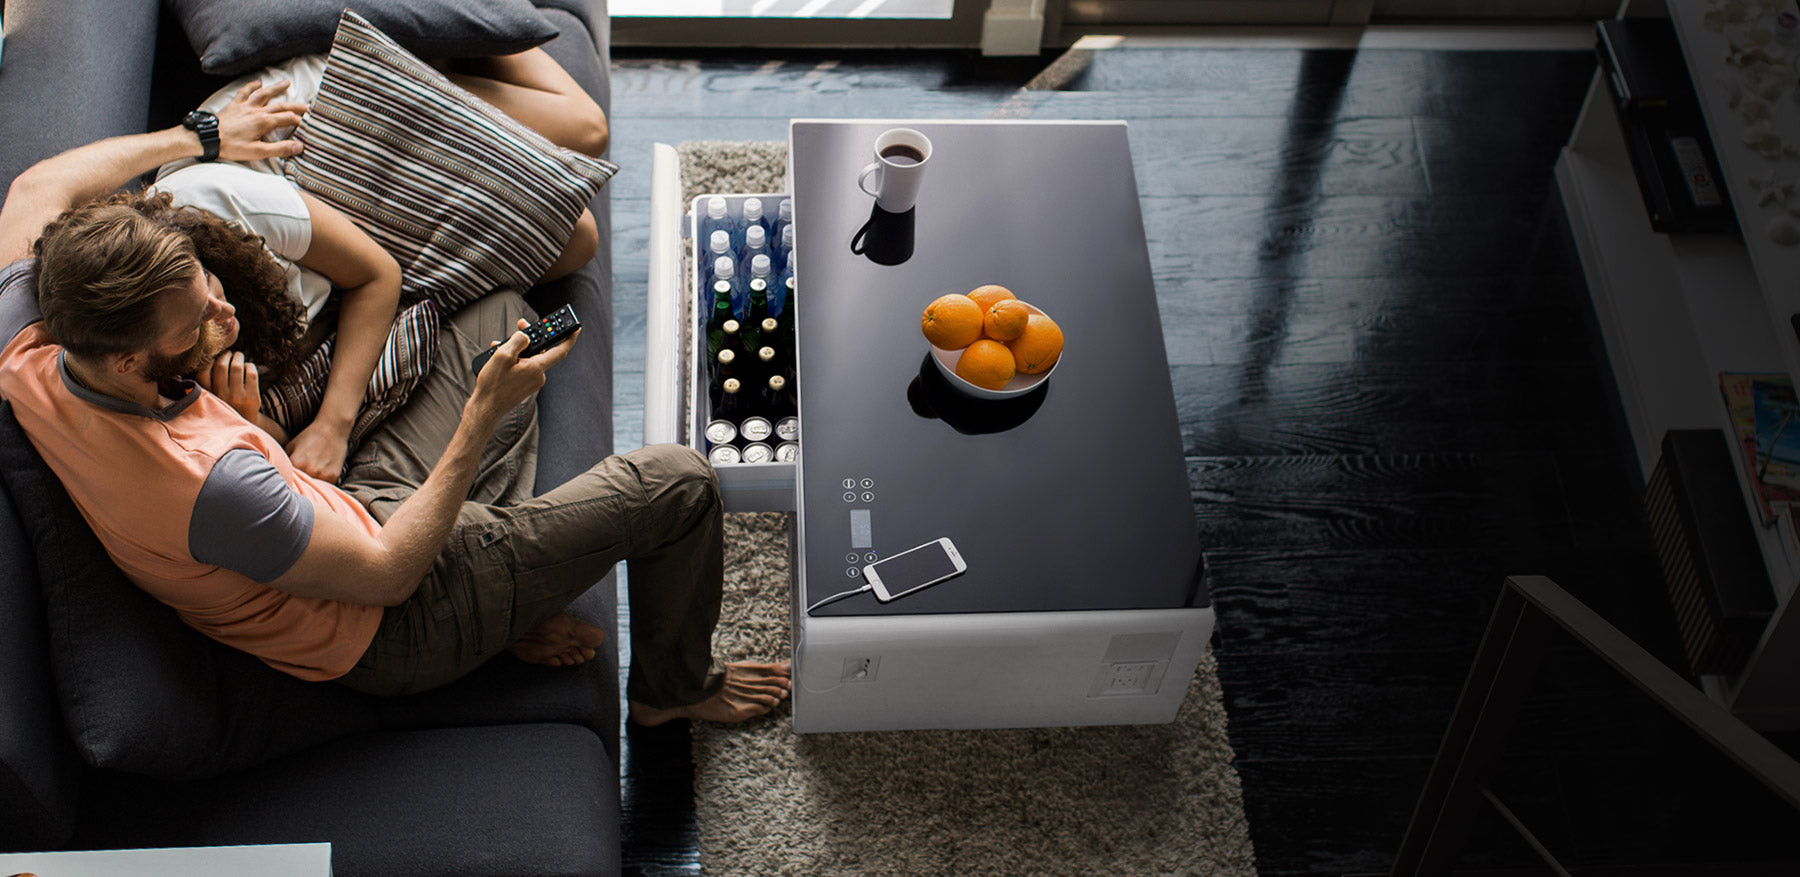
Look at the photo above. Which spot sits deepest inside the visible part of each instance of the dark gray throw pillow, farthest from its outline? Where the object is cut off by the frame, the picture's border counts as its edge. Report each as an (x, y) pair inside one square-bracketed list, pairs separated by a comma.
[(237, 36), (140, 691)]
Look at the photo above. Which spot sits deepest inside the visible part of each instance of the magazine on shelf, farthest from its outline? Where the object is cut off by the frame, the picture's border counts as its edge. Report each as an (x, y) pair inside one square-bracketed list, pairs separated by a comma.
[(1741, 392)]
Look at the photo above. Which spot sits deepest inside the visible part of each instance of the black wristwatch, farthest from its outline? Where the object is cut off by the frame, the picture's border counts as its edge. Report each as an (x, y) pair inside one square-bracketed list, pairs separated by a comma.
[(206, 125)]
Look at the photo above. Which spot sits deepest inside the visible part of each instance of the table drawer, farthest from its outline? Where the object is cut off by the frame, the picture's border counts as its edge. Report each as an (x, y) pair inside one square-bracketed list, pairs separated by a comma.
[(677, 378)]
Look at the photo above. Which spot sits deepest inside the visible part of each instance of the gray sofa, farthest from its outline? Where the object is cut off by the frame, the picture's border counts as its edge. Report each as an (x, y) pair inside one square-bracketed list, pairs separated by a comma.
[(122, 728)]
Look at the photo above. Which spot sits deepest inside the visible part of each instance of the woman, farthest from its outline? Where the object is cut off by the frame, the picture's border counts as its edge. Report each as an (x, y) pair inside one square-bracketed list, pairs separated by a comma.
[(317, 248)]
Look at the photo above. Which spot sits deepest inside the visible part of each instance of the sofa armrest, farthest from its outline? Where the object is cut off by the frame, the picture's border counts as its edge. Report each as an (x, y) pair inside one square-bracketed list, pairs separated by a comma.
[(76, 71)]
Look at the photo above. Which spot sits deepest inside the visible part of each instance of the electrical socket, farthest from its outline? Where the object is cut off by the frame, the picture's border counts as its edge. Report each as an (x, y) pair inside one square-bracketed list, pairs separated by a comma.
[(860, 669)]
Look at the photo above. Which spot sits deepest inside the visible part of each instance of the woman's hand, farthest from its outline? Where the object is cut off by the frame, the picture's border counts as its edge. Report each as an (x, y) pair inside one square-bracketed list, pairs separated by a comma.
[(253, 113), (319, 450), (235, 381)]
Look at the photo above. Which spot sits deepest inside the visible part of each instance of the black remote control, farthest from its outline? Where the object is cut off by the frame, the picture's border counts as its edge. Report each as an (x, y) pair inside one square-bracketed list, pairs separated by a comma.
[(545, 334)]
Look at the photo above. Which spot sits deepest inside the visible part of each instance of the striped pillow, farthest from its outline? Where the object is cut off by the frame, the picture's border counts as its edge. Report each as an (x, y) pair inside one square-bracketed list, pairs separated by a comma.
[(465, 198), (406, 361)]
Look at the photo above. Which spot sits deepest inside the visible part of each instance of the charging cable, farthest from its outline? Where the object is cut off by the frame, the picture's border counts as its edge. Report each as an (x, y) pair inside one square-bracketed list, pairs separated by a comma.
[(836, 597)]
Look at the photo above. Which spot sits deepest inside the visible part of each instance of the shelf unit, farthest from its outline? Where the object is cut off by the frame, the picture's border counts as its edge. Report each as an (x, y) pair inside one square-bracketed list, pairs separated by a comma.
[(1676, 311)]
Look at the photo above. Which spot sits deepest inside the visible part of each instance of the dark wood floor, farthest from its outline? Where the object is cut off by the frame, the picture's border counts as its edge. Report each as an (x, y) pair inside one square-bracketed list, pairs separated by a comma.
[(1392, 394)]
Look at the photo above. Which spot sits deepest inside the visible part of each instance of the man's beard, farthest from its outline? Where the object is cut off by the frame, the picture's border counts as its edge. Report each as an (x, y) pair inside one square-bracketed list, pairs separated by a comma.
[(160, 368)]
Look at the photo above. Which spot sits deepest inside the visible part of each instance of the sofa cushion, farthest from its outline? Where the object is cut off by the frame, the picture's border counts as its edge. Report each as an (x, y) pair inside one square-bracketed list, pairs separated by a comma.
[(465, 198), (509, 800), (237, 36), (139, 690)]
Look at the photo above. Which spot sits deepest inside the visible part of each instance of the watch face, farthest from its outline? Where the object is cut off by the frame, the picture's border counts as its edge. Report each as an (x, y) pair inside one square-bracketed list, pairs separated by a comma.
[(198, 119)]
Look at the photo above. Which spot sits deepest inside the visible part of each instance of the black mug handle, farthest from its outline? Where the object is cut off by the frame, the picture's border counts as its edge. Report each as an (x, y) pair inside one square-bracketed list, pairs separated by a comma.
[(857, 242)]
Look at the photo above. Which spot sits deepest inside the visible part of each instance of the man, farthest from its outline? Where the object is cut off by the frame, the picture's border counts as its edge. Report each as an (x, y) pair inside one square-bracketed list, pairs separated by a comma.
[(431, 557)]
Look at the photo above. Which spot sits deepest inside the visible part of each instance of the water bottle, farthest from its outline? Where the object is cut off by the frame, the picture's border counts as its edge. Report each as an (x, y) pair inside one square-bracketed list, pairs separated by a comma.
[(756, 243), (717, 217), (753, 214), (784, 247), (718, 244), (784, 212), (726, 272)]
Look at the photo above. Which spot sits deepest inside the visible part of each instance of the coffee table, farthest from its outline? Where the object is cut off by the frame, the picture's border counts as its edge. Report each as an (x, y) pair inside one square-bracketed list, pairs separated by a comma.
[(1083, 602)]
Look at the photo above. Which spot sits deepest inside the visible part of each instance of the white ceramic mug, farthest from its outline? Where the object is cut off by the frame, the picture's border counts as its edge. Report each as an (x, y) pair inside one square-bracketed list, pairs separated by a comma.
[(898, 169)]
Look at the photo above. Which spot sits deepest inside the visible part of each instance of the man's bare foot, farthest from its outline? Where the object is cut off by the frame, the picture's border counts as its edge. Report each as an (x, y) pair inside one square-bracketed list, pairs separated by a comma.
[(562, 640), (750, 690)]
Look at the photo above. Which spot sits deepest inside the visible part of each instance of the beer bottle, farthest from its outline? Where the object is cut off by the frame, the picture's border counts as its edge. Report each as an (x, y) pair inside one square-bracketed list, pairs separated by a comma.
[(755, 311), (775, 401), (728, 403), (733, 339), (725, 365), (717, 318)]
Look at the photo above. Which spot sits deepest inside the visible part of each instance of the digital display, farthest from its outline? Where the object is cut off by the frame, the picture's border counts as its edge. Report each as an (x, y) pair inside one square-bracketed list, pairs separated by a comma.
[(861, 534), (914, 569)]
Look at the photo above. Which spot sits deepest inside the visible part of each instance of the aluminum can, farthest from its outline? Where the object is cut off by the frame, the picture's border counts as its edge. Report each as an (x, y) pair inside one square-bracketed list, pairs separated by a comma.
[(788, 429), (725, 455), (787, 452), (756, 429), (757, 452), (721, 432)]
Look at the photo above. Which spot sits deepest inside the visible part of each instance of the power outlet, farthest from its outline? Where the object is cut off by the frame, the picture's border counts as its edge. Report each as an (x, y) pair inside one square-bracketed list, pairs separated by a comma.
[(1127, 678), (860, 669)]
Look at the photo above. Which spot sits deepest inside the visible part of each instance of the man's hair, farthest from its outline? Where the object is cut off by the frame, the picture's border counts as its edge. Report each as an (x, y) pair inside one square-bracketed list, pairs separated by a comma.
[(101, 266), (100, 269)]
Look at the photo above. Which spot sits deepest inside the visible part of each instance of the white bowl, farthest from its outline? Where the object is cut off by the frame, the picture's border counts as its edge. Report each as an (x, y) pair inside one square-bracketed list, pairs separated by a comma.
[(1020, 384)]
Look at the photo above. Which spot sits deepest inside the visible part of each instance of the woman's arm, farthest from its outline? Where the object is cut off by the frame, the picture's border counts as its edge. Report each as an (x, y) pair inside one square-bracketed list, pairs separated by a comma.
[(72, 178), (370, 280)]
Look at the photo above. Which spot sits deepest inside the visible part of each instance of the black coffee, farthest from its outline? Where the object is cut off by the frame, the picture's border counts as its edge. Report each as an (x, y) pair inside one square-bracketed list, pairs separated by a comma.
[(902, 155)]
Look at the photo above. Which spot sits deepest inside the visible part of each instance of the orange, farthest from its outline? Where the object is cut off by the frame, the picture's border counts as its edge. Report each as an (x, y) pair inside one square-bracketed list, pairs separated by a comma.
[(1037, 348), (986, 363), (951, 322), (1005, 319), (987, 295)]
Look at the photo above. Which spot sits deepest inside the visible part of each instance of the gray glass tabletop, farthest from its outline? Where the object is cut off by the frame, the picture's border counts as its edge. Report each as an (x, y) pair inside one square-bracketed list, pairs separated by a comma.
[(1072, 497)]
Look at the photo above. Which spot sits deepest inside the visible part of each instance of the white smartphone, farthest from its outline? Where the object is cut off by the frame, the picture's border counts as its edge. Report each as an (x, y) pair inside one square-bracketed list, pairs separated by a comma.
[(914, 569)]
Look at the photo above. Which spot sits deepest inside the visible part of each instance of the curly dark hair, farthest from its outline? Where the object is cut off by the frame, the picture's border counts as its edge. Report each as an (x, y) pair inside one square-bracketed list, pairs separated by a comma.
[(270, 323)]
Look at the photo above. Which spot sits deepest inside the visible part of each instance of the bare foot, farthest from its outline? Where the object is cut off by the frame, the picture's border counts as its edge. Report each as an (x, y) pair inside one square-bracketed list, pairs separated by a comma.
[(750, 690), (562, 640)]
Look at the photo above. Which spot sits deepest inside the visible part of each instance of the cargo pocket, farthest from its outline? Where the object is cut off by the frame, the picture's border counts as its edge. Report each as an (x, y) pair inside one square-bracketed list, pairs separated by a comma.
[(487, 587)]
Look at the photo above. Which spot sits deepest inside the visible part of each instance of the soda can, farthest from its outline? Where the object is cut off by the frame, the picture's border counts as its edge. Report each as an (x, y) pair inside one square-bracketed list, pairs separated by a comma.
[(787, 452), (721, 432), (755, 429), (788, 429), (757, 452), (725, 455)]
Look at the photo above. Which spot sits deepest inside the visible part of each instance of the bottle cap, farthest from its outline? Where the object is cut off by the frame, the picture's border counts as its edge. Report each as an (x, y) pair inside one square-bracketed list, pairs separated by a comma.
[(787, 236), (721, 241), (731, 326), (768, 324), (732, 385), (727, 357), (722, 267), (777, 382), (766, 354), (759, 265), (758, 284), (785, 210), (756, 237), (753, 208), (715, 207), (721, 292)]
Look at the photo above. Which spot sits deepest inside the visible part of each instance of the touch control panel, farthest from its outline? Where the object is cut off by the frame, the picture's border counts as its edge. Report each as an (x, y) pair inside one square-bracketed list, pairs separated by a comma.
[(859, 494)]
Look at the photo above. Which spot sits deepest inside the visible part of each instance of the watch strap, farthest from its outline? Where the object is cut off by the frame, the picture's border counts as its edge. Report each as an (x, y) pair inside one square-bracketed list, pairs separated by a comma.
[(206, 125)]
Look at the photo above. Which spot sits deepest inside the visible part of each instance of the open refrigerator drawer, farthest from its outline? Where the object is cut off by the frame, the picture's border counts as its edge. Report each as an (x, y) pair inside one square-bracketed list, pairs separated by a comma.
[(749, 430)]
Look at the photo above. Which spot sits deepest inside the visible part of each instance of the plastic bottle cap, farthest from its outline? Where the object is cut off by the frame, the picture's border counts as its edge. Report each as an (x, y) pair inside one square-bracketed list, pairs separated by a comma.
[(715, 207), (721, 241), (756, 237), (752, 208), (785, 210), (722, 267), (787, 236), (760, 265)]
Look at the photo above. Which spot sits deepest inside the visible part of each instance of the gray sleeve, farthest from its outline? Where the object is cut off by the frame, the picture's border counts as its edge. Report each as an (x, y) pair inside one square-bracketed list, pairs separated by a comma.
[(248, 520), (18, 299)]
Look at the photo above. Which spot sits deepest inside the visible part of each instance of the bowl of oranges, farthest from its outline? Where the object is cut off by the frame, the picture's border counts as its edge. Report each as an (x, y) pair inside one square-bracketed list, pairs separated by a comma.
[(991, 344)]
